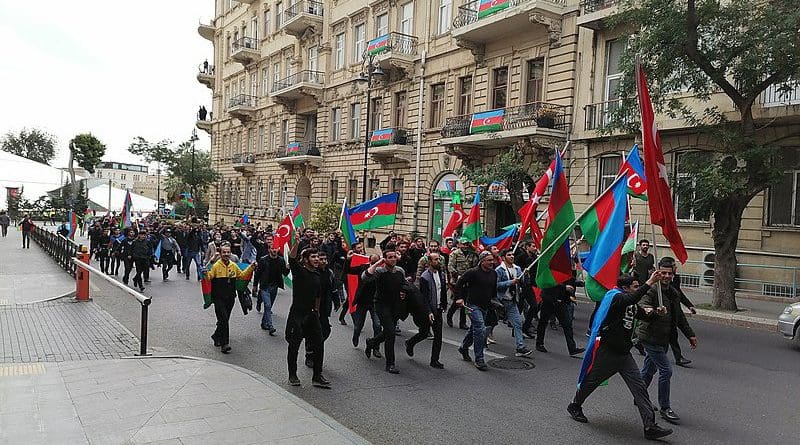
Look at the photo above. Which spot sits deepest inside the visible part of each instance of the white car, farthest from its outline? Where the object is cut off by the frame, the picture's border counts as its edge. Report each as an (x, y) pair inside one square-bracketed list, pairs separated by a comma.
[(789, 323)]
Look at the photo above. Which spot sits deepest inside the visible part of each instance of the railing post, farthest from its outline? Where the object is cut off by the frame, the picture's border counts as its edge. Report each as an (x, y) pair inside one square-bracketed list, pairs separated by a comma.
[(143, 330), (82, 278)]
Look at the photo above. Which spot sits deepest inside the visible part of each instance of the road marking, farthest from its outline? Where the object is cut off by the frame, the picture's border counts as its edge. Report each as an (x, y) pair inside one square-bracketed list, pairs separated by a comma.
[(22, 369), (486, 351)]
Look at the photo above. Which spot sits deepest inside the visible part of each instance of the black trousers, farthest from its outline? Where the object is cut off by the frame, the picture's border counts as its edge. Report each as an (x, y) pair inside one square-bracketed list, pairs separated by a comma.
[(436, 348), (462, 316), (223, 305), (115, 262), (387, 335), (5, 230), (142, 270), (550, 308), (530, 313), (304, 327), (606, 364), (128, 268), (26, 240), (325, 328), (674, 345), (167, 261)]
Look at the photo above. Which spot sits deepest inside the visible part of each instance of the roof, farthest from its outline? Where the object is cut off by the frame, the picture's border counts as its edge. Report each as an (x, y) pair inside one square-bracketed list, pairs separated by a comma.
[(34, 178)]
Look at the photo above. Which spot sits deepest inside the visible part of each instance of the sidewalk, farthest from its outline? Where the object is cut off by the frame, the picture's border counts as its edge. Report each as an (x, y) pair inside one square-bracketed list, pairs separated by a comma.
[(68, 375)]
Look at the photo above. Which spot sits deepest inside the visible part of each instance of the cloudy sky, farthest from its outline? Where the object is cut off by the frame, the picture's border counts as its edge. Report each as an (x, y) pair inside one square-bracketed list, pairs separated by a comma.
[(117, 69)]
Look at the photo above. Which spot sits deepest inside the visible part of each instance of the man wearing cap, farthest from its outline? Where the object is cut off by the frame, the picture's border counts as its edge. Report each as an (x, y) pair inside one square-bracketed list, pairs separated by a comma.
[(462, 259), (474, 290)]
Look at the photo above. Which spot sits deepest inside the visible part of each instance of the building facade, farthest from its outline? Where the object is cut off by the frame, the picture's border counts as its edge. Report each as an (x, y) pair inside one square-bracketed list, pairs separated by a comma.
[(291, 115), (133, 177)]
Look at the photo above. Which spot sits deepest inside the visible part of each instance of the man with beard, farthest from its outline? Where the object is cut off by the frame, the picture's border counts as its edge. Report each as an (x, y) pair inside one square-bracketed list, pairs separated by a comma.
[(433, 293), (364, 301), (269, 278), (329, 294), (389, 279), (223, 275)]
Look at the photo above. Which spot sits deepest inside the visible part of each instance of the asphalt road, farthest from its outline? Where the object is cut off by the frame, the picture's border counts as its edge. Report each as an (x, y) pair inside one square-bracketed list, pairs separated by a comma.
[(744, 386)]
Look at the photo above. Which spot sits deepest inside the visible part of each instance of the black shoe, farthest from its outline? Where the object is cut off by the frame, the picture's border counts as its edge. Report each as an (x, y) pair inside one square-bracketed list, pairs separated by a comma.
[(656, 432), (450, 322), (216, 342), (187, 277), (294, 381), (529, 334), (264, 327), (392, 370), (409, 349), (463, 327), (368, 350), (258, 305), (272, 332), (342, 322), (376, 352), (141, 288), (576, 412), (541, 348), (481, 366), (465, 354), (437, 365), (226, 349), (577, 351), (669, 415), (309, 362), (683, 362), (321, 382), (523, 352), (147, 281), (355, 341)]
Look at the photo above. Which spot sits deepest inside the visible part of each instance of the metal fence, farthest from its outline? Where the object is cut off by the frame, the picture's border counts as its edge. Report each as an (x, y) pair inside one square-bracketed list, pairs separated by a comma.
[(301, 7), (61, 249), (307, 76), (245, 43), (758, 279), (596, 5), (534, 114), (243, 100)]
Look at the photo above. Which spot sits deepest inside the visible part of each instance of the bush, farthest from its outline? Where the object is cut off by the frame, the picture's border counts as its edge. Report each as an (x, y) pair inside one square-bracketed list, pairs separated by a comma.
[(325, 216)]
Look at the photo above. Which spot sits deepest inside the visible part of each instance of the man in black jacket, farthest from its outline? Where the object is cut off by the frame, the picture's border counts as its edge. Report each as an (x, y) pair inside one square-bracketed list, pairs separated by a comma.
[(433, 293), (474, 291), (389, 279), (141, 252), (328, 295), (613, 355), (269, 278), (364, 301), (680, 360), (526, 256), (555, 301)]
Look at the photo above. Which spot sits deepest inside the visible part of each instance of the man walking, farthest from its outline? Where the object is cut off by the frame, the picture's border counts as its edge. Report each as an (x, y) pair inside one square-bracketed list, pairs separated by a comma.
[(27, 226), (141, 252), (269, 278), (613, 356), (5, 221), (328, 295), (223, 275), (433, 290), (364, 301), (462, 259), (643, 261), (389, 279), (474, 290), (527, 303), (509, 278), (654, 334), (555, 302)]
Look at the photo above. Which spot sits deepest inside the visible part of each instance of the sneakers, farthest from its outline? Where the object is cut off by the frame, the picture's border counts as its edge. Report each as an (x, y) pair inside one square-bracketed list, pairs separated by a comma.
[(226, 349), (216, 342), (577, 351), (294, 381), (541, 348), (368, 350), (683, 362), (465, 354), (321, 382), (377, 352), (272, 332), (523, 352), (576, 412), (656, 432), (392, 370), (529, 334), (437, 365), (481, 366), (669, 415), (490, 340)]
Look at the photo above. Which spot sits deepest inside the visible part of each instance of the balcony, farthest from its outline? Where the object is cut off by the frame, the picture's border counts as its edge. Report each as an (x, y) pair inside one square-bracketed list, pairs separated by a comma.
[(204, 125), (243, 107), (248, 2), (476, 24), (244, 163), (245, 50), (780, 101), (594, 11), (391, 145), (394, 51), (296, 86), (599, 115), (538, 122), (207, 31), (205, 74), (299, 17), (301, 154)]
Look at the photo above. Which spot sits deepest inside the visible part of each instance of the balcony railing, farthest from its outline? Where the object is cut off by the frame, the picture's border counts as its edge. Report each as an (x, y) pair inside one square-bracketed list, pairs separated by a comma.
[(245, 43), (305, 76), (590, 6), (391, 136), (599, 115), (244, 158), (393, 42), (205, 68), (309, 148), (784, 93), (535, 114), (243, 100), (471, 12), (301, 7)]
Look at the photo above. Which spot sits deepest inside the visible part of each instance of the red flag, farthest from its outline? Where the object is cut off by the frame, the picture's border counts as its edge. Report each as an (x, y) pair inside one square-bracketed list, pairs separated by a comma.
[(662, 213), (527, 212), (352, 281), (455, 220), (283, 234)]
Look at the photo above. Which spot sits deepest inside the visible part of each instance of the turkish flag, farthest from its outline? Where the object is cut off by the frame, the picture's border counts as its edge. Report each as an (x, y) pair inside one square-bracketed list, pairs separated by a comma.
[(662, 213), (283, 234), (352, 281), (455, 221)]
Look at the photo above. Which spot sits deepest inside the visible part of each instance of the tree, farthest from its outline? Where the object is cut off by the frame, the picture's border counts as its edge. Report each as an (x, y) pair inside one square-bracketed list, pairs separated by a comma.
[(158, 152), (33, 144), (325, 216), (736, 48), (87, 150), (186, 174)]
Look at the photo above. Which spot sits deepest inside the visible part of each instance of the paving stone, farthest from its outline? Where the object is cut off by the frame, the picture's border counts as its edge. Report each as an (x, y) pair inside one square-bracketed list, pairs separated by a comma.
[(274, 430), (174, 430), (239, 436)]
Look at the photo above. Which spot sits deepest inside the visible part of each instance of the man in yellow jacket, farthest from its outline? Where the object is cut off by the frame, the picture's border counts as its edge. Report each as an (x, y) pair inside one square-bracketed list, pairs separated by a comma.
[(223, 275)]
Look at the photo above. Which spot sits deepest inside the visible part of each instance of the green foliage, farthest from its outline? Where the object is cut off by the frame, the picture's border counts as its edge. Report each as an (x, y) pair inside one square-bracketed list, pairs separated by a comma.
[(509, 167), (325, 216), (33, 144), (87, 150), (151, 151)]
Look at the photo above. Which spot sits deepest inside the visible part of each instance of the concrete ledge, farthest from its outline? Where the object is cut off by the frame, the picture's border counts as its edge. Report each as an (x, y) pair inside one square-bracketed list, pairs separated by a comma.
[(738, 320)]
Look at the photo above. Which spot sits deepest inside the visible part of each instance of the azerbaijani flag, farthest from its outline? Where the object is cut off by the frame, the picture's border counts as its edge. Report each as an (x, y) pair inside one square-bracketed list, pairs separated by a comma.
[(489, 7), (352, 280), (381, 137), (503, 241), (293, 148), (487, 121), (73, 225), (456, 218), (127, 209), (472, 230), (594, 338), (297, 217), (187, 200), (555, 266), (629, 247), (288, 281), (634, 169), (205, 287), (348, 234), (378, 45), (605, 224), (379, 212), (244, 280)]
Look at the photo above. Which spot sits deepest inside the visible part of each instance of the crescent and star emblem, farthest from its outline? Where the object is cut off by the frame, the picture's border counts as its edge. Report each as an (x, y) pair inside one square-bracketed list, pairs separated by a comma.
[(372, 212), (459, 215), (280, 232)]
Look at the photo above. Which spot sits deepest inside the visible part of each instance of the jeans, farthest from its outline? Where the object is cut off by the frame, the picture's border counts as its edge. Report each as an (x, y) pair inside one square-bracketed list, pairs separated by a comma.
[(187, 261), (267, 297), (656, 358), (26, 240), (360, 317), (513, 316), (476, 335)]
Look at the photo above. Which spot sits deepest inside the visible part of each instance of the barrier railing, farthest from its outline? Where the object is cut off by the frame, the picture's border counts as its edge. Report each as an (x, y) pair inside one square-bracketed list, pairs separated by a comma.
[(759, 279), (61, 249)]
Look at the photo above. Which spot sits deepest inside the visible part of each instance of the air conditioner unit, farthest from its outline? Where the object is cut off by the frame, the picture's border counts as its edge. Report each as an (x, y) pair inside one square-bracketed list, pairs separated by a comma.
[(706, 269)]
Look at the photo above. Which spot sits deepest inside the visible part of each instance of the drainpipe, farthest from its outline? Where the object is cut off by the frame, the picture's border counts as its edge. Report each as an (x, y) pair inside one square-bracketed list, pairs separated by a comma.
[(415, 223)]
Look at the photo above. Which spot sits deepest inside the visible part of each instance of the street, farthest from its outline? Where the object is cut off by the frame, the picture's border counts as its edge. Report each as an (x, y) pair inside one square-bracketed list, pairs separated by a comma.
[(743, 387)]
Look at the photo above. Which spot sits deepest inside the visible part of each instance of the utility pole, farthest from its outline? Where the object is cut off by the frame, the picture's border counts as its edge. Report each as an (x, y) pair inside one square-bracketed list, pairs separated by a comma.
[(192, 184)]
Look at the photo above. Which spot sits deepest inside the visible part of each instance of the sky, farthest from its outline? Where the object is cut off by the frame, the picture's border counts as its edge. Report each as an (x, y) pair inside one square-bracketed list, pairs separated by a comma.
[(117, 69)]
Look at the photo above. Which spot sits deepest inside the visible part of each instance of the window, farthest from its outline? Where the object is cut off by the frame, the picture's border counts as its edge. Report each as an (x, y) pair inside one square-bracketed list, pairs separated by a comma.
[(500, 88), (784, 196), (614, 50), (333, 192), (276, 75), (381, 25), (312, 59), (284, 133), (376, 114), (122, 176), (397, 187), (437, 105), (336, 123), (359, 45), (251, 139), (260, 202), (267, 17), (445, 15), (288, 67), (228, 45), (407, 18), (685, 192), (278, 14), (355, 120), (338, 51), (399, 117), (264, 81), (374, 188), (465, 95), (608, 168), (534, 83), (271, 194), (254, 84), (284, 192), (273, 138), (261, 142), (254, 27), (352, 192)]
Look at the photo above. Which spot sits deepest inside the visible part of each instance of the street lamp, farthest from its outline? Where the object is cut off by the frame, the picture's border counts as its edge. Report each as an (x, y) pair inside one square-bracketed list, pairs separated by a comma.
[(370, 70), (192, 185)]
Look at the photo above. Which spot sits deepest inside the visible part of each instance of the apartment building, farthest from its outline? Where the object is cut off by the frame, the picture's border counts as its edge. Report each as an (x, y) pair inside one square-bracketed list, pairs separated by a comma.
[(291, 115), (133, 177)]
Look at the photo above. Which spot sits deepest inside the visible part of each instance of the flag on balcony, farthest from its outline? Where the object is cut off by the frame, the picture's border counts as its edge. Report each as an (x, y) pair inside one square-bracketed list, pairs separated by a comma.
[(487, 121), (503, 241), (456, 218), (378, 45), (283, 234), (127, 212), (381, 137), (297, 217), (346, 226), (472, 231), (555, 266), (629, 247), (633, 168), (662, 212), (489, 7), (293, 148), (379, 212)]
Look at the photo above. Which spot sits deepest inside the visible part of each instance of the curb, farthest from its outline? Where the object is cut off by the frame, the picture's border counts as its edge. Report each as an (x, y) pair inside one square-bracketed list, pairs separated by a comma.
[(347, 433), (69, 294)]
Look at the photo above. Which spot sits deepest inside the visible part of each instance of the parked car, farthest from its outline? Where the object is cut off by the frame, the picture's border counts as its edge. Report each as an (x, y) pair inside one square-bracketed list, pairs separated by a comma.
[(789, 323)]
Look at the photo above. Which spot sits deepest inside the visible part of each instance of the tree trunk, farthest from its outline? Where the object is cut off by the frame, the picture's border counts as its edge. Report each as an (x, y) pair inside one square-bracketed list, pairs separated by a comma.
[(727, 222), (73, 190)]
